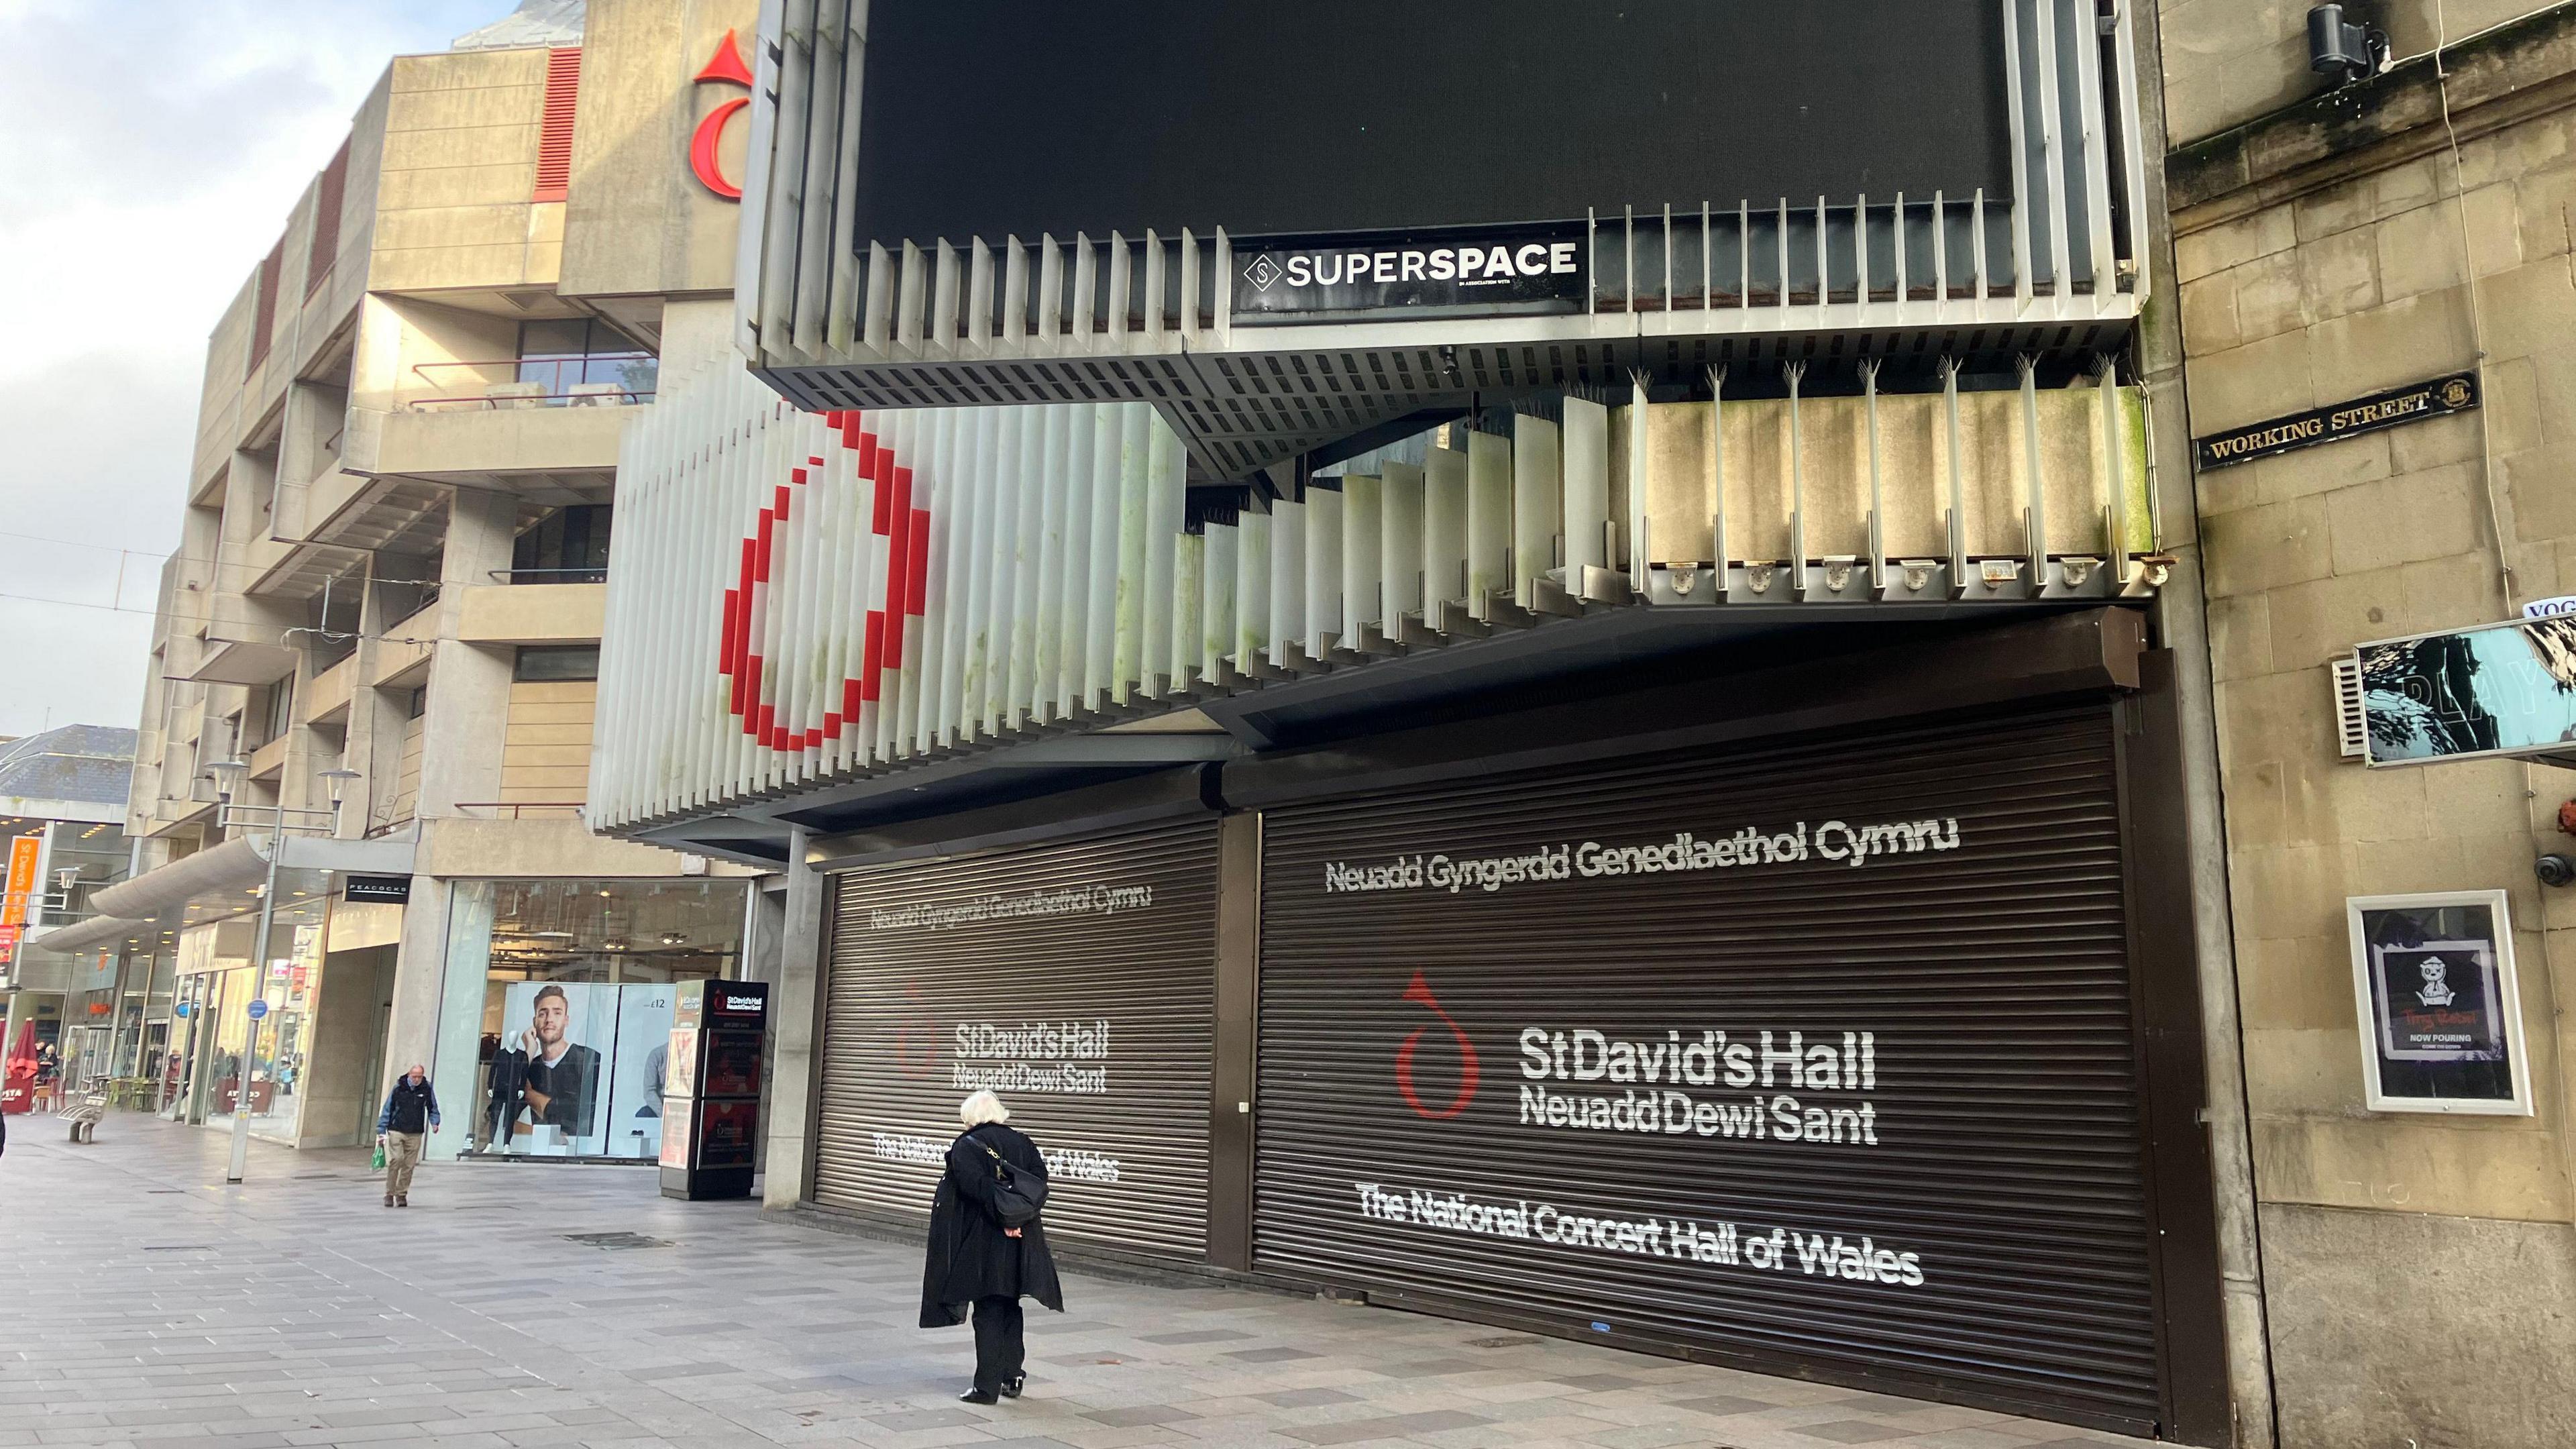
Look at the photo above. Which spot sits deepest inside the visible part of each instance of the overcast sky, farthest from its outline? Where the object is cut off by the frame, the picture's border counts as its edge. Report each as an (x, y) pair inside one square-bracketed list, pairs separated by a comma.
[(155, 147)]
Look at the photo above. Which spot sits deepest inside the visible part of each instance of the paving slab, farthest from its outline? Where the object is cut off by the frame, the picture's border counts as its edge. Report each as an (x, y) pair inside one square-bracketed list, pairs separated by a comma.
[(156, 1306)]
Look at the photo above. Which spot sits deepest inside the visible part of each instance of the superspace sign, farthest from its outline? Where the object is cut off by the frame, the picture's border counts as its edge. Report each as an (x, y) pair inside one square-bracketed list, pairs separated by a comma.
[(1330, 278)]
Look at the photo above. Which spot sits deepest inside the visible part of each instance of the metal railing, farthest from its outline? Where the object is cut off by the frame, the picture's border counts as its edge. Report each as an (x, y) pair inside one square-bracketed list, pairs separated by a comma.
[(550, 576), (519, 809), (533, 382)]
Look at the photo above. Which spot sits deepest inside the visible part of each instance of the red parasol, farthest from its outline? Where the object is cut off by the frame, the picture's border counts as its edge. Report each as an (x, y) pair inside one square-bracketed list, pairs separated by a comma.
[(18, 1078)]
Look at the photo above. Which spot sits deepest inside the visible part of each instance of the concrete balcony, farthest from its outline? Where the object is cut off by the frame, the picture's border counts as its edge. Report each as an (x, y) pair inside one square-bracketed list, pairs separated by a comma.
[(551, 455), (256, 558), (326, 699), (532, 613), (406, 644), (241, 661), (268, 762)]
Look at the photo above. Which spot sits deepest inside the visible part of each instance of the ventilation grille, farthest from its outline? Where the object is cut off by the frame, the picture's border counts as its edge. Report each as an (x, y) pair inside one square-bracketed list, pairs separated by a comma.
[(554, 136), (2352, 728)]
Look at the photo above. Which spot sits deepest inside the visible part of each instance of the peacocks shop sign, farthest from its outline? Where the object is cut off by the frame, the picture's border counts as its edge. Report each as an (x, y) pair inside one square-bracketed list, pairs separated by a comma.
[(2414, 403)]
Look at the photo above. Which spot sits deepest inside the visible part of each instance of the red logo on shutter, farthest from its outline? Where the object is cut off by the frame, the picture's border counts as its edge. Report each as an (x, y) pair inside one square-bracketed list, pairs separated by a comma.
[(1468, 1072), (725, 67), (906, 530)]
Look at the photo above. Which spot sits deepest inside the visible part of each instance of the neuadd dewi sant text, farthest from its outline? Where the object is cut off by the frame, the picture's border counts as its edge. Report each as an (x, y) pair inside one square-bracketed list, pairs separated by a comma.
[(1786, 1086)]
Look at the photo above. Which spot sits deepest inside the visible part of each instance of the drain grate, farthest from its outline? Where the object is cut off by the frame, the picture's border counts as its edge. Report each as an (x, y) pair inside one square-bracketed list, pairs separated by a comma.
[(178, 1247), (1513, 1341), (615, 1240)]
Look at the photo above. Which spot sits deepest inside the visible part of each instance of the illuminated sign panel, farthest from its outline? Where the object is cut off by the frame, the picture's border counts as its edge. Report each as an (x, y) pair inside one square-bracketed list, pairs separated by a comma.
[(1023, 117)]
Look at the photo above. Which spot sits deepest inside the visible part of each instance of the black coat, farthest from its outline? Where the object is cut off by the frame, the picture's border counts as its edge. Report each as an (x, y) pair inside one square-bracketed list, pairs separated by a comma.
[(969, 1256), (570, 1085)]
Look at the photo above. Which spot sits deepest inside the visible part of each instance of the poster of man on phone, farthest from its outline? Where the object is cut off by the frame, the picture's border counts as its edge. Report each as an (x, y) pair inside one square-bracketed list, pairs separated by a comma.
[(546, 1077), (2435, 986)]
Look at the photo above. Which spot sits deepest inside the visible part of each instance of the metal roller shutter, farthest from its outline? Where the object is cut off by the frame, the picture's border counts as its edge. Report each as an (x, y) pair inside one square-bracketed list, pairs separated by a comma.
[(1078, 981), (1964, 1208)]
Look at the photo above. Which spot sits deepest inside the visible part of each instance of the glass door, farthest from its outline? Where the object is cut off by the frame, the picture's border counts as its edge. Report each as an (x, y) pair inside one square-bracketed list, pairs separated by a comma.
[(230, 1024)]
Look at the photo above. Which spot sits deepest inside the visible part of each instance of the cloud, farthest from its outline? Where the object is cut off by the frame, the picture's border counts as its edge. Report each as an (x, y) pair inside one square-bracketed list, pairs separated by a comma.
[(155, 150)]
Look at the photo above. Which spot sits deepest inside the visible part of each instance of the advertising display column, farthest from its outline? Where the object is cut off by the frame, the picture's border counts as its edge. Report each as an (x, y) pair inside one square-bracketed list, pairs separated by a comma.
[(1813, 1058), (711, 1136), (1075, 980)]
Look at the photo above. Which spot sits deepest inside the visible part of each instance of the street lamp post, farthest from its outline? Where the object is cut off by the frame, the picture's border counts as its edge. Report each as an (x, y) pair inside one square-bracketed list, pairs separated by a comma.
[(228, 777)]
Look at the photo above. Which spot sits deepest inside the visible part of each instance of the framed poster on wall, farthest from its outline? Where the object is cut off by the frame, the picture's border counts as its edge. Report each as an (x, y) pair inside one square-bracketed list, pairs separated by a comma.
[(2440, 1009)]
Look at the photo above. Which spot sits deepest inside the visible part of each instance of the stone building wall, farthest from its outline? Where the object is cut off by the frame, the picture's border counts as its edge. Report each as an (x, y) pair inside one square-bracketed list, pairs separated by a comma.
[(2419, 1270)]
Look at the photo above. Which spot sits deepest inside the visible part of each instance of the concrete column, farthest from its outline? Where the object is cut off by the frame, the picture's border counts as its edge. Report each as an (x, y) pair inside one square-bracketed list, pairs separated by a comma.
[(419, 986), (764, 929), (469, 685), (797, 1014), (335, 1088), (201, 1089), (2182, 625)]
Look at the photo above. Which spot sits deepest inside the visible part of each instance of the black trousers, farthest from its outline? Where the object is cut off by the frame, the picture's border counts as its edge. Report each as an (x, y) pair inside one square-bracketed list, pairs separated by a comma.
[(1000, 1352)]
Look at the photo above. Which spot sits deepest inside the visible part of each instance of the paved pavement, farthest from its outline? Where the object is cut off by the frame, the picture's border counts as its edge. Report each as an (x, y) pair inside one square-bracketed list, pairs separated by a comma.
[(147, 1303)]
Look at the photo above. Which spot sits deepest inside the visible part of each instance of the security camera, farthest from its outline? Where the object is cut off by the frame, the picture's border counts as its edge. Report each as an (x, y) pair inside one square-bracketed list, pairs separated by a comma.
[(2554, 870), (2341, 50)]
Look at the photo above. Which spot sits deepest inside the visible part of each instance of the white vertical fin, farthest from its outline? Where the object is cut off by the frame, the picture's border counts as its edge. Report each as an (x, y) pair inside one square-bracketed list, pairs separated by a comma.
[(1489, 521)]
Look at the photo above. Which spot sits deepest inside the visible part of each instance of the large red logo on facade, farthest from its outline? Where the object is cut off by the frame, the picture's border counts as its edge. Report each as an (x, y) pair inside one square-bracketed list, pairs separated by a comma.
[(725, 67), (1419, 993), (905, 529)]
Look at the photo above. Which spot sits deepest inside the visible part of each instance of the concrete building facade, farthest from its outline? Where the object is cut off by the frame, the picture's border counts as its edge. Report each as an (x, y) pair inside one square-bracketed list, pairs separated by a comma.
[(62, 811), (2330, 243), (406, 486), (398, 531)]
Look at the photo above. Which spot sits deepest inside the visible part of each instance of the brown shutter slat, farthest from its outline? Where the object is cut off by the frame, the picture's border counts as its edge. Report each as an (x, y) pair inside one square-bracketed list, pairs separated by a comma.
[(328, 198), (901, 988), (554, 132), (1993, 979), (263, 307)]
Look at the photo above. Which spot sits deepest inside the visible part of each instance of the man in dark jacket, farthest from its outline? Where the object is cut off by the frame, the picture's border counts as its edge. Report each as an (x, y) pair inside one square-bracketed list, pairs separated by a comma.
[(978, 1264), (410, 1114)]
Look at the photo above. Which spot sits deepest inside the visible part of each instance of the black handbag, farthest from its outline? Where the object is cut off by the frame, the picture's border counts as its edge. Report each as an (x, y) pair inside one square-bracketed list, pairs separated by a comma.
[(1017, 1200)]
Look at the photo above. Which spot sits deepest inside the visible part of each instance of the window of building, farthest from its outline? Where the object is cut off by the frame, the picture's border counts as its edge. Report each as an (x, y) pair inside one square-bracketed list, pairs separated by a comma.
[(333, 618), (574, 356), (557, 661), (565, 1051), (567, 546), (96, 854), (266, 720)]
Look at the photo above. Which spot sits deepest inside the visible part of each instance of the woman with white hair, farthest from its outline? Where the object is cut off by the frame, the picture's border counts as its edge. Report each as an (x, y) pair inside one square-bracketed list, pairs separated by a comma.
[(988, 1248)]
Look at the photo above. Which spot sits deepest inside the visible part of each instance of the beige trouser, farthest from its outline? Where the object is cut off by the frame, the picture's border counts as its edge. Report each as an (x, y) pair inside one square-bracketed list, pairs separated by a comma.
[(402, 1154)]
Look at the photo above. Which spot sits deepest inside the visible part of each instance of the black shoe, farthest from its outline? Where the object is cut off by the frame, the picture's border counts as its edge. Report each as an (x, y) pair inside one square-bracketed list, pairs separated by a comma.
[(979, 1396), (1011, 1387), (403, 1201)]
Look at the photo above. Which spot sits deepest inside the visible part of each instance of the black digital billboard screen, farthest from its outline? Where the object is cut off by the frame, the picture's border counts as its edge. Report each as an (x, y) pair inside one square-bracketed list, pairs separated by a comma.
[(994, 118)]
